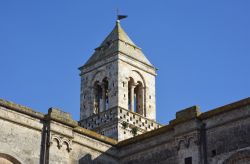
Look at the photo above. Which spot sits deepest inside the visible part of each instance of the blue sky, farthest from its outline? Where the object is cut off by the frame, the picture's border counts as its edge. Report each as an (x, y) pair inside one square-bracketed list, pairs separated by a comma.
[(202, 49)]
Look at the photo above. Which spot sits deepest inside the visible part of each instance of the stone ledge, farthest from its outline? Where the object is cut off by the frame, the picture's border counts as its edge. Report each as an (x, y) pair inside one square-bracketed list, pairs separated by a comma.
[(95, 135), (87, 65), (225, 108), (146, 135), (21, 109)]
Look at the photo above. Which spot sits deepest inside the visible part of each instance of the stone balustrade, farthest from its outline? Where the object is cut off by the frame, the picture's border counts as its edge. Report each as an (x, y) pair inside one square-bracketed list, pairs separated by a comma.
[(119, 115), (97, 120)]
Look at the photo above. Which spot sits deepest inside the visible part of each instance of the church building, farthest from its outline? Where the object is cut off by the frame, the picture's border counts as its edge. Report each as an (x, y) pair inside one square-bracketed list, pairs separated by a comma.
[(118, 120)]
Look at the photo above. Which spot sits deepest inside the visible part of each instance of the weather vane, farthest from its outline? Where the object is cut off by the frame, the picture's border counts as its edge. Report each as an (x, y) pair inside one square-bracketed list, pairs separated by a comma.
[(119, 17)]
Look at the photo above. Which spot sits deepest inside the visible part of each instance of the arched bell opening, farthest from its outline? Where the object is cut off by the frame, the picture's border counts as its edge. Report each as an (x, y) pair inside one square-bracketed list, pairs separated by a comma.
[(101, 98), (136, 96)]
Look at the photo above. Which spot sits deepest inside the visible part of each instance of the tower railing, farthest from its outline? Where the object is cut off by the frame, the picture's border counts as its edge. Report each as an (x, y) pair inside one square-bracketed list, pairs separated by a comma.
[(118, 115)]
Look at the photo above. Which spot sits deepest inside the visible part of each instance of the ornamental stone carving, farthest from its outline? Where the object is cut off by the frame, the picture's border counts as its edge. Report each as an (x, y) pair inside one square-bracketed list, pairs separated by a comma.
[(60, 141), (186, 140)]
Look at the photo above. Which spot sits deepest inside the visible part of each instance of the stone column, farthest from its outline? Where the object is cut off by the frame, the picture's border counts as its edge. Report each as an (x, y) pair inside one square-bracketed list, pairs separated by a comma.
[(132, 97), (142, 101), (103, 98), (94, 99)]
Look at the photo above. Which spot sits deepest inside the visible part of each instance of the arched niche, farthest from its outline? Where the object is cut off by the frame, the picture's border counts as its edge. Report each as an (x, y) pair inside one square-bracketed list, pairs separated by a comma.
[(137, 76), (240, 157), (98, 76), (8, 159)]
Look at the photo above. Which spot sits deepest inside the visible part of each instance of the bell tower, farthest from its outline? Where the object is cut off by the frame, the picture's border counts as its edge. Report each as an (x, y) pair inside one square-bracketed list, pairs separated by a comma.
[(118, 89)]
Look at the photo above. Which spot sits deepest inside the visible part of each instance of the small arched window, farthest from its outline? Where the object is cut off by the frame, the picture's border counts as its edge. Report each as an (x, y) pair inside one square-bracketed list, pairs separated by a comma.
[(136, 96)]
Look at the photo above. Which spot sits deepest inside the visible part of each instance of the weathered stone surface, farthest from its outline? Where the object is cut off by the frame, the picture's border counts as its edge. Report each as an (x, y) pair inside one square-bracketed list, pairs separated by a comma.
[(226, 140), (20, 138)]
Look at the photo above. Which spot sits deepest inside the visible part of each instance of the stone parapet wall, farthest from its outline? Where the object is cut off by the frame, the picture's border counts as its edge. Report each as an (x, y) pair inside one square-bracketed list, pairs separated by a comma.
[(221, 138)]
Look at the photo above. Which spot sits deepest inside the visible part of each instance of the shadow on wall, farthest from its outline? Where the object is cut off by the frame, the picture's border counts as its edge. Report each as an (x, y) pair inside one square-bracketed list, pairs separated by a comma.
[(162, 156), (240, 157), (107, 157), (87, 159)]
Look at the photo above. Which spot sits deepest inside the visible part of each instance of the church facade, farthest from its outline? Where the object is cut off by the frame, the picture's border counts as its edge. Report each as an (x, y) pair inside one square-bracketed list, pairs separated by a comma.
[(118, 120)]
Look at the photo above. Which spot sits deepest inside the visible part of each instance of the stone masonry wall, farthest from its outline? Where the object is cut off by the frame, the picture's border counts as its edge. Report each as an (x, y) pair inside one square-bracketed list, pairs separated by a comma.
[(31, 137), (219, 136), (169, 144), (214, 137), (227, 134), (20, 136)]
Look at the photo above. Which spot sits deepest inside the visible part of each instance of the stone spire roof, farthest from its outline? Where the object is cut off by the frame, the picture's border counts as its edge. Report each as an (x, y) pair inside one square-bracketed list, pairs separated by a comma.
[(118, 41), (118, 34)]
